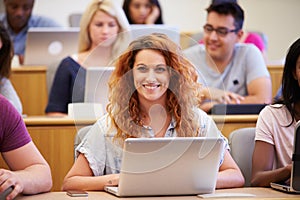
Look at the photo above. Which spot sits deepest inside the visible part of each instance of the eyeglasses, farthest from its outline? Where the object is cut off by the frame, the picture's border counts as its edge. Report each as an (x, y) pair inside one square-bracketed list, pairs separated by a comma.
[(221, 32)]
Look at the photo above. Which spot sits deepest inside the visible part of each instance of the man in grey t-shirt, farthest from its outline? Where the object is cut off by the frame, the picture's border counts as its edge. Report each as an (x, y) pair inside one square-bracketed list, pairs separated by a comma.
[(230, 72)]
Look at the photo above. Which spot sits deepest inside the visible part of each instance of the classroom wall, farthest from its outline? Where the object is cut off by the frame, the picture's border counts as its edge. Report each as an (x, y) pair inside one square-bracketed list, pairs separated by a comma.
[(276, 18)]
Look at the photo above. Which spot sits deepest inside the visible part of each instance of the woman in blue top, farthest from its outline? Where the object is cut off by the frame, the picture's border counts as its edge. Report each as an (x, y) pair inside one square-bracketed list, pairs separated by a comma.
[(153, 93), (100, 41)]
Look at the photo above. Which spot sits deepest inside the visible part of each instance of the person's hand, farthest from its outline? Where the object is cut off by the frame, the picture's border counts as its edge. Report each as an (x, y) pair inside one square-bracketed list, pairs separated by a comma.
[(152, 17), (7, 179), (224, 97), (113, 180), (21, 59)]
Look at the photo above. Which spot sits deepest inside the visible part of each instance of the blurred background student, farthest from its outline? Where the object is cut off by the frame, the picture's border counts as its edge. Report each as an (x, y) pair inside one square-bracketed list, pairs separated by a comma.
[(6, 55), (103, 35), (18, 18), (143, 11), (274, 139), (231, 72), (249, 37)]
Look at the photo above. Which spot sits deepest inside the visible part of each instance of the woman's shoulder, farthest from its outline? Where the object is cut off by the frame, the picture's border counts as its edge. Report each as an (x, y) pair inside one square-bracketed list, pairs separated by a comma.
[(277, 112)]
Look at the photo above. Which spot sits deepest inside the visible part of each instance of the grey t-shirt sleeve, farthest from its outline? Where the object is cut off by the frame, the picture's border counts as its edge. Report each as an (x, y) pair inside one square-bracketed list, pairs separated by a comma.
[(255, 64)]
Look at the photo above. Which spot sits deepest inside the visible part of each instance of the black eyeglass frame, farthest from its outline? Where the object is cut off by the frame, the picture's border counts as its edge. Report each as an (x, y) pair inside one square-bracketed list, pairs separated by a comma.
[(221, 31)]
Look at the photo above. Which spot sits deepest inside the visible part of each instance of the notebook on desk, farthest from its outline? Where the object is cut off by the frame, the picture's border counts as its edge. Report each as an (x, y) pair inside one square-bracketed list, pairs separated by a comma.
[(96, 85), (168, 166), (45, 46), (172, 32), (294, 185), (236, 109)]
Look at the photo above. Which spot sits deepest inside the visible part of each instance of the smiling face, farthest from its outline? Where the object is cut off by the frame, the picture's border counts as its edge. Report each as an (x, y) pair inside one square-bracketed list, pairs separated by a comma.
[(219, 47), (102, 28), (151, 76)]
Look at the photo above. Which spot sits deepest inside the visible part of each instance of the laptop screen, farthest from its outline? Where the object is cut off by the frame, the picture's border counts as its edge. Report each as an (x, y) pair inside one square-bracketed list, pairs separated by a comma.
[(45, 46), (96, 85), (169, 166)]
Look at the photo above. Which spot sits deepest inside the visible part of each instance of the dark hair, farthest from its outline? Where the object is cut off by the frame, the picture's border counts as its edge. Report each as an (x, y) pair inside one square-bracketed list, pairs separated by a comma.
[(6, 53), (222, 1), (229, 8), (153, 2), (290, 86)]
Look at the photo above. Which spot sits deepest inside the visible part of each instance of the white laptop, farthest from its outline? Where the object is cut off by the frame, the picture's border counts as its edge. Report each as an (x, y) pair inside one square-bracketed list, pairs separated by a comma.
[(172, 32), (96, 85), (294, 186), (48, 45), (168, 166)]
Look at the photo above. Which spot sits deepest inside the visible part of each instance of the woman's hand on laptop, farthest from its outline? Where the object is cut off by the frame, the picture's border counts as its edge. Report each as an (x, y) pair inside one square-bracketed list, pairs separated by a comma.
[(113, 180)]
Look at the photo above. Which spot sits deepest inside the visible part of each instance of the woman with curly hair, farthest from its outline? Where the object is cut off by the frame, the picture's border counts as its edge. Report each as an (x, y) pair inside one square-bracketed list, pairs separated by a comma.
[(153, 93)]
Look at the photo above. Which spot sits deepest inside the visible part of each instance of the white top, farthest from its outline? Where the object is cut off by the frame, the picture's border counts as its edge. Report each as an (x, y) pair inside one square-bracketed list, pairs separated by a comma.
[(246, 65), (105, 157), (8, 90), (271, 128)]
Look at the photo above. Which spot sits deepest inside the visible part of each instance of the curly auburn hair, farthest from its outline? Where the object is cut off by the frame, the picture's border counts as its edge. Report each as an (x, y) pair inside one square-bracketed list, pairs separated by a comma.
[(182, 95)]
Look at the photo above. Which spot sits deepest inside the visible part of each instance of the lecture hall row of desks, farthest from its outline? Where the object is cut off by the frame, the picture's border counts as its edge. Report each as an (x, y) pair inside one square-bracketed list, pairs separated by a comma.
[(54, 136)]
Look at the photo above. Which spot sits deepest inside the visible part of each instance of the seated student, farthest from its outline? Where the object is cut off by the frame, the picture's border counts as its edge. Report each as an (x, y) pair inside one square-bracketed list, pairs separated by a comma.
[(143, 11), (99, 44), (272, 156), (18, 18), (248, 37), (6, 54), (152, 80), (29, 172), (231, 72)]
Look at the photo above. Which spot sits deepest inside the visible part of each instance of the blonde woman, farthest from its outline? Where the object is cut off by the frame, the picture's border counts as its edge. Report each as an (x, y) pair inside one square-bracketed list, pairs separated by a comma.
[(103, 35), (152, 94)]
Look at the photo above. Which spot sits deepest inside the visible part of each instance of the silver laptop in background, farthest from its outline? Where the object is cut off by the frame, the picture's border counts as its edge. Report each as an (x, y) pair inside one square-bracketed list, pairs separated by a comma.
[(48, 45), (96, 85), (294, 186), (172, 32), (168, 166)]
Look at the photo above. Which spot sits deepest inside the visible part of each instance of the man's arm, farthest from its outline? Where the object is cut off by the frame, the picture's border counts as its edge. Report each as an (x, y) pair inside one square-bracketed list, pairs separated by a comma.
[(259, 91), (30, 173)]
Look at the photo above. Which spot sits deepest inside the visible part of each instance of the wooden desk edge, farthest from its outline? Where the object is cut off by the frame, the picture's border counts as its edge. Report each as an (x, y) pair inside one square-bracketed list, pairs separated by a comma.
[(46, 121), (234, 118), (29, 69)]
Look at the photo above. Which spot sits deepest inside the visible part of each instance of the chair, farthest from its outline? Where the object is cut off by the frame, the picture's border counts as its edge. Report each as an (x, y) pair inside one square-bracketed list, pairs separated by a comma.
[(74, 19), (81, 133), (241, 142)]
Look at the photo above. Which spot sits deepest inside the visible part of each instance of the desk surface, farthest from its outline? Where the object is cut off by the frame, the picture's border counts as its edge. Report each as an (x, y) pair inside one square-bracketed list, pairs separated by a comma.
[(260, 193), (48, 121)]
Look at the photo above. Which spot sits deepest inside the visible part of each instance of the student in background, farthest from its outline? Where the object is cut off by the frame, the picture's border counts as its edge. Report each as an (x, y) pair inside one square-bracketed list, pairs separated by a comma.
[(103, 35), (143, 11), (29, 172), (232, 73), (18, 18), (249, 37), (272, 156), (6, 55), (152, 80)]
